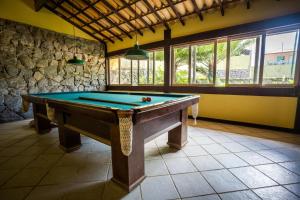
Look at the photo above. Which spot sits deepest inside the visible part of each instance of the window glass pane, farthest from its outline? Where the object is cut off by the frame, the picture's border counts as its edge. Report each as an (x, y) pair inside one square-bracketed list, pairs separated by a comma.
[(181, 65), (114, 70), (221, 62), (202, 64), (280, 57), (125, 71), (143, 72), (242, 61), (150, 70), (134, 72), (159, 68)]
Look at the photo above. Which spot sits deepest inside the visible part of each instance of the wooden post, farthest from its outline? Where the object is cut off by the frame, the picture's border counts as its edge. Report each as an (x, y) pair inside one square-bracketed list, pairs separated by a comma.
[(167, 60)]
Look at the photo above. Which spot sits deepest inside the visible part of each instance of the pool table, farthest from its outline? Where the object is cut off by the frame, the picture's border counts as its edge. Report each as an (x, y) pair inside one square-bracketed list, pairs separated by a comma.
[(119, 119)]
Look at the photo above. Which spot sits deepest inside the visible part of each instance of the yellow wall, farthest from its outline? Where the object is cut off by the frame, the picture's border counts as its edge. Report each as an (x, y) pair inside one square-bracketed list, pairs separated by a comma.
[(23, 11), (271, 111), (260, 9)]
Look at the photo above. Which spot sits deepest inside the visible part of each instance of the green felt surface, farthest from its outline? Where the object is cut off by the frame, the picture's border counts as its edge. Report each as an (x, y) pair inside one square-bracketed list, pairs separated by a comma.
[(118, 97)]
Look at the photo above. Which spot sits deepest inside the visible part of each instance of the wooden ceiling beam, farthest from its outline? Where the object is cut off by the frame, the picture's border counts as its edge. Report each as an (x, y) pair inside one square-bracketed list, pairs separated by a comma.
[(222, 8), (197, 10), (130, 3), (108, 5), (83, 22), (142, 14), (156, 14), (215, 6), (92, 20), (39, 4), (138, 16), (248, 4), (71, 22), (178, 15), (106, 18)]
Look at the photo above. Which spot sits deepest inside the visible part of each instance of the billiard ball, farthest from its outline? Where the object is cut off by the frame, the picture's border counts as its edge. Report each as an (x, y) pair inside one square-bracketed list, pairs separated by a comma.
[(149, 99)]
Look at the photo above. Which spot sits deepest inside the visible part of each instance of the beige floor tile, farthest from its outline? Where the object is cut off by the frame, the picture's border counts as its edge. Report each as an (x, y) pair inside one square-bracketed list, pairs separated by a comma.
[(12, 151), (155, 168), (253, 158), (73, 159), (179, 165), (159, 188), (59, 175), (152, 153), (217, 178), (17, 162), (95, 172), (204, 163), (252, 177), (279, 174), (26, 177), (192, 184), (234, 147), (275, 193), (215, 148), (98, 158), (230, 160), (14, 193), (5, 175), (34, 150), (114, 192), (44, 161), (88, 191), (168, 152), (54, 149), (194, 151)]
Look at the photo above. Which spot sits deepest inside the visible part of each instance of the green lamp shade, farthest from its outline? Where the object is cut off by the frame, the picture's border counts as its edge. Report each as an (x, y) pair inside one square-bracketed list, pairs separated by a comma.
[(76, 61), (136, 53)]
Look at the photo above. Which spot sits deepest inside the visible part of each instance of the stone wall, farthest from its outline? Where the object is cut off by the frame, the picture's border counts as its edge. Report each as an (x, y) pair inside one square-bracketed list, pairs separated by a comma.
[(33, 60)]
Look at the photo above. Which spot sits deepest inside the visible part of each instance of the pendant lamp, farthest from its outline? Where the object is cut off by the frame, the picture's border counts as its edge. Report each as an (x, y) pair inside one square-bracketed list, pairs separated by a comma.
[(136, 53), (75, 60)]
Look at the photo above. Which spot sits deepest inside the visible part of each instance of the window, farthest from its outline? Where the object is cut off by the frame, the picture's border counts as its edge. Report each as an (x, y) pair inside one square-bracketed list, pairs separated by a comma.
[(243, 61), (114, 70), (150, 68), (181, 65), (159, 67), (221, 62), (133, 72), (125, 71), (263, 58), (143, 71), (280, 58), (202, 63)]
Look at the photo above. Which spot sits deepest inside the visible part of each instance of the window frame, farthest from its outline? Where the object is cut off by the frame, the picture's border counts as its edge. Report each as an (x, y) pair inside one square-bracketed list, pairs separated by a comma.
[(131, 71), (297, 56), (259, 62)]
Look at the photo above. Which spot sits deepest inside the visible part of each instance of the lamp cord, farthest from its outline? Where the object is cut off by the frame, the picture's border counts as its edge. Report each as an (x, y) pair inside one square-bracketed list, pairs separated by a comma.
[(74, 39), (74, 32)]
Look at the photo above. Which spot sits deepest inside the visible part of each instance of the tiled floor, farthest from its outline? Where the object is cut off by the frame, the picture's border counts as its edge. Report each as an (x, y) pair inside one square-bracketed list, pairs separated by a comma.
[(220, 161)]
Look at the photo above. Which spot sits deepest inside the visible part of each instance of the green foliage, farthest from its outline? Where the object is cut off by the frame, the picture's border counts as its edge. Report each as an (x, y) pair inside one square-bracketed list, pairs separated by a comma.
[(203, 58)]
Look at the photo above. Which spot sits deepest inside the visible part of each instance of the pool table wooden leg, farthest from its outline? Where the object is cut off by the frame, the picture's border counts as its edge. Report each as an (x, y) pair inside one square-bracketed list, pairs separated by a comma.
[(69, 139), (128, 171), (177, 137), (41, 122)]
